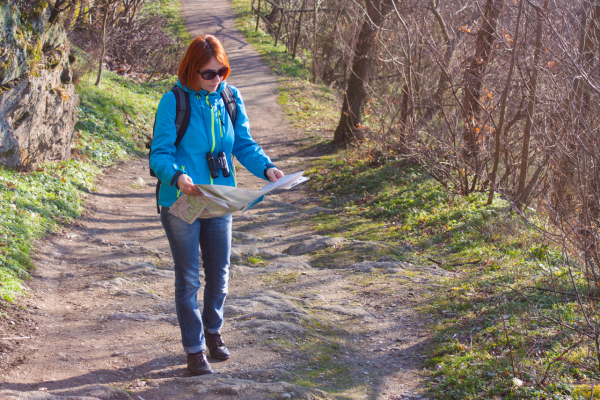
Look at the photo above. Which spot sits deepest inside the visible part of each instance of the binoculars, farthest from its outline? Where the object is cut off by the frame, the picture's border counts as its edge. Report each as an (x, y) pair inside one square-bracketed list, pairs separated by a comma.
[(216, 164)]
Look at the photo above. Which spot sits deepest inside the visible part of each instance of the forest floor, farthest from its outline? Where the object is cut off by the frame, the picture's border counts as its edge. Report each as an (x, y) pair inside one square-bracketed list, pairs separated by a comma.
[(99, 319)]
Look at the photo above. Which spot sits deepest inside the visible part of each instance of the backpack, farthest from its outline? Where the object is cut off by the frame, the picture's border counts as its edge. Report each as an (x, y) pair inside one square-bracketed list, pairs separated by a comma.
[(182, 120)]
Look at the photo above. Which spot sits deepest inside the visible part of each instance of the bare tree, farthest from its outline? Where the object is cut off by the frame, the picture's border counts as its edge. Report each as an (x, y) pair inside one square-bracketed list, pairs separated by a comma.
[(355, 95)]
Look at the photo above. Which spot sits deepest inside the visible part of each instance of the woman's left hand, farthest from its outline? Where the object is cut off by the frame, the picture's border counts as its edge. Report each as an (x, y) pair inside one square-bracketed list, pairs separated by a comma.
[(274, 174)]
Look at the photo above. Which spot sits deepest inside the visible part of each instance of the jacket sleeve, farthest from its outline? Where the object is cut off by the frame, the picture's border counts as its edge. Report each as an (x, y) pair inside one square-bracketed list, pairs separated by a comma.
[(245, 149), (162, 152)]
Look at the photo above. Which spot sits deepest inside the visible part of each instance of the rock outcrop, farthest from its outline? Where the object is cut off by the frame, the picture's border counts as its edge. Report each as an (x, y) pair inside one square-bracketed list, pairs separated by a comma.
[(38, 103)]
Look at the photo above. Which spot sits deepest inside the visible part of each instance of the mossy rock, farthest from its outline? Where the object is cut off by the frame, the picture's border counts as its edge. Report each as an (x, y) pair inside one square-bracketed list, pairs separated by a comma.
[(25, 34)]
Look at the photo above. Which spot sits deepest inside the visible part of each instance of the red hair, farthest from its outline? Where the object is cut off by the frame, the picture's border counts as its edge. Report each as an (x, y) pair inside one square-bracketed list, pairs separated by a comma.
[(198, 54)]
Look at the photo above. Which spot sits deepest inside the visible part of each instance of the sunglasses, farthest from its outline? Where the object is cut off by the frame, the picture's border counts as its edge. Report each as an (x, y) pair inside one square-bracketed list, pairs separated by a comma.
[(209, 74)]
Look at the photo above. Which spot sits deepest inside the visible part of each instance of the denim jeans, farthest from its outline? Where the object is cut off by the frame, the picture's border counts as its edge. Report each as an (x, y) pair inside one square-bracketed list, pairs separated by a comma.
[(214, 237)]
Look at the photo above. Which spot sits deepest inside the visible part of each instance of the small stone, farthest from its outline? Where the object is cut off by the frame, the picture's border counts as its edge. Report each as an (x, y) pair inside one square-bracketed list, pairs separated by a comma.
[(286, 396), (139, 182), (517, 382)]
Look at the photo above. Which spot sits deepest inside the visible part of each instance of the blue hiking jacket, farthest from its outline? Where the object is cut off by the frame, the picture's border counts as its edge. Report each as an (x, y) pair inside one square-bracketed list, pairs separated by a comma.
[(210, 130)]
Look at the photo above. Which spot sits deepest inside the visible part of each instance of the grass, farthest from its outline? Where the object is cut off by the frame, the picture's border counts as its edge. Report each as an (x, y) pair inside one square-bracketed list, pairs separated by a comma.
[(494, 312), (32, 204)]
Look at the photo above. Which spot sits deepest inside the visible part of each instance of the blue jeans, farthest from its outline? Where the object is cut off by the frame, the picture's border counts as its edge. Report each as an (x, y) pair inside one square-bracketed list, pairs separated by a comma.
[(214, 237)]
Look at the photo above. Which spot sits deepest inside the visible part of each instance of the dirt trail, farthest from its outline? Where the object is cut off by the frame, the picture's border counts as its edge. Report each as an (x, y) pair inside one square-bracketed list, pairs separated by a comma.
[(100, 320)]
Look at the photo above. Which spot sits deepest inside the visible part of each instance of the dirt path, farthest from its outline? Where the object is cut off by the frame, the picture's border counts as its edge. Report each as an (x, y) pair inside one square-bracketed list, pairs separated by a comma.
[(100, 320)]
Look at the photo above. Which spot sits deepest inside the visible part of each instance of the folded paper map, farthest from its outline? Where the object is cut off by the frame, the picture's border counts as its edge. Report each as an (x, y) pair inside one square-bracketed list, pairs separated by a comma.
[(218, 200)]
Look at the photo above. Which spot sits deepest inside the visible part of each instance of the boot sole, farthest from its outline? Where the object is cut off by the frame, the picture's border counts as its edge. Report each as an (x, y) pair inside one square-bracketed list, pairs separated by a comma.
[(219, 358), (200, 373)]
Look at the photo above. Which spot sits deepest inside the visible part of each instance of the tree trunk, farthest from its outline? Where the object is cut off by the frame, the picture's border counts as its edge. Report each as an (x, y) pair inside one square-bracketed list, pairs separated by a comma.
[(257, 16), (314, 46), (521, 193), (99, 77), (58, 7), (474, 73), (299, 28), (356, 95), (272, 18), (281, 22), (503, 100)]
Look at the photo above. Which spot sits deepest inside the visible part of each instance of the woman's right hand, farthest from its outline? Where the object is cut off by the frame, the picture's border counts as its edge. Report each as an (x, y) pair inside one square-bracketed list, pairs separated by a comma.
[(186, 186)]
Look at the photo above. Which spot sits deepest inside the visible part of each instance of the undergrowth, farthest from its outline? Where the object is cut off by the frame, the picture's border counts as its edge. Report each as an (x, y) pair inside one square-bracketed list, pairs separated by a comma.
[(507, 325)]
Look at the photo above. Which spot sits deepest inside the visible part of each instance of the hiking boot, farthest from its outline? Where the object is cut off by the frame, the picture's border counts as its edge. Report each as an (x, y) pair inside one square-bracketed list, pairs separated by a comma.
[(197, 364), (216, 347)]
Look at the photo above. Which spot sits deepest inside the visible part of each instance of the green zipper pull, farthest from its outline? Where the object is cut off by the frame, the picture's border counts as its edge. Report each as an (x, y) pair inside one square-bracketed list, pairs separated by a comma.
[(179, 191)]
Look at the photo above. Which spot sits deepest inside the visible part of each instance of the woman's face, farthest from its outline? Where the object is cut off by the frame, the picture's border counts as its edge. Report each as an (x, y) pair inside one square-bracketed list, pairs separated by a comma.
[(210, 85)]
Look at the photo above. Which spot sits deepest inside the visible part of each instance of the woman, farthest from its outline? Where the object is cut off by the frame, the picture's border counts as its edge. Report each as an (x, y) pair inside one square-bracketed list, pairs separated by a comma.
[(202, 75)]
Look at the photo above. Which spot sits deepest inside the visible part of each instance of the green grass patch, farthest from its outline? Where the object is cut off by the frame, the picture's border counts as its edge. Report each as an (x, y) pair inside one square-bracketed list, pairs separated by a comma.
[(32, 204), (112, 120)]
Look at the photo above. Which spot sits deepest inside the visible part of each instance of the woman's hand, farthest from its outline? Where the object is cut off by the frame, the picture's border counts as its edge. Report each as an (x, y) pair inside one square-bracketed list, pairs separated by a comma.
[(186, 186), (274, 174)]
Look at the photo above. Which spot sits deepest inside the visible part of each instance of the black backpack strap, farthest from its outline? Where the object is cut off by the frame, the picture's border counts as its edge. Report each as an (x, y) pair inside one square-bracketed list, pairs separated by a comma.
[(182, 118), (230, 104), (157, 190)]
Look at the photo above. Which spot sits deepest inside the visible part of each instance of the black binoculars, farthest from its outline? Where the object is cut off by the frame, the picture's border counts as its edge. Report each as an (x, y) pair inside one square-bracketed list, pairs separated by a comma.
[(215, 164)]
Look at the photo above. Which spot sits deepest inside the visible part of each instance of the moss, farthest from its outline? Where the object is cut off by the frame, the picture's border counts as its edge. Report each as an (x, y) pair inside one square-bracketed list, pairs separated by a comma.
[(4, 69), (19, 35)]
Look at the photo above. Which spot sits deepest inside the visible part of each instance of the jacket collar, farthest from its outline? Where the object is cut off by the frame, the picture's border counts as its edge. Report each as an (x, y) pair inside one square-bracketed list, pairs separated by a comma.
[(222, 86)]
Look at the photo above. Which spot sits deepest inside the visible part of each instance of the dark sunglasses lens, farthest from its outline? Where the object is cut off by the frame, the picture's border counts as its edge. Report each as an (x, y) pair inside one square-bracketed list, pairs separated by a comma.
[(210, 75)]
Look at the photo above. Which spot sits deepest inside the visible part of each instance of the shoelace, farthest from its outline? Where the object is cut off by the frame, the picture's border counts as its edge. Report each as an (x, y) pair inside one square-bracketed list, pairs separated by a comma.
[(217, 338), (201, 358)]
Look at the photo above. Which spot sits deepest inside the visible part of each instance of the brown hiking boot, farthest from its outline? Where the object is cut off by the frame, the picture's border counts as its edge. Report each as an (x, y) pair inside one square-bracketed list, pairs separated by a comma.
[(216, 347), (197, 364)]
